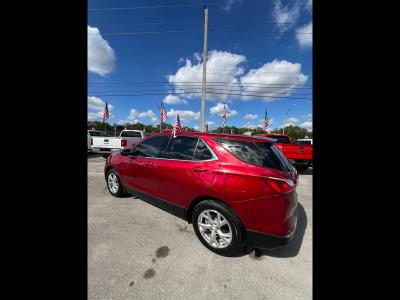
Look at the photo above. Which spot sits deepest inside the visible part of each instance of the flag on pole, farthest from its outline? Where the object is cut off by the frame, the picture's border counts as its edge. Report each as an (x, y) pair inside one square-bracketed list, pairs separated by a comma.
[(106, 114), (206, 128), (163, 113), (224, 116), (266, 120), (177, 126)]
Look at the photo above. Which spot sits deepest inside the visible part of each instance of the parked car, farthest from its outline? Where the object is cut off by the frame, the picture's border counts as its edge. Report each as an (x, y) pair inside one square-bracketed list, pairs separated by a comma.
[(90, 134), (107, 145), (303, 142), (299, 154), (238, 192)]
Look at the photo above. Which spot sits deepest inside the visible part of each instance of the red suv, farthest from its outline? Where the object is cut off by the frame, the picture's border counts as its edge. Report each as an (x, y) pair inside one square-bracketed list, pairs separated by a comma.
[(237, 191)]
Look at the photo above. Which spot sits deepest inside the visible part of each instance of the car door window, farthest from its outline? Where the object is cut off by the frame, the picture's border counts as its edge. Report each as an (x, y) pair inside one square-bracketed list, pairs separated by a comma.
[(180, 147), (202, 152), (151, 147)]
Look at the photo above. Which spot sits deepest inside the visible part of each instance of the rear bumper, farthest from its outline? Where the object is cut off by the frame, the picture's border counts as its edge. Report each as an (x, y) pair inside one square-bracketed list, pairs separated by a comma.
[(260, 240), (105, 150)]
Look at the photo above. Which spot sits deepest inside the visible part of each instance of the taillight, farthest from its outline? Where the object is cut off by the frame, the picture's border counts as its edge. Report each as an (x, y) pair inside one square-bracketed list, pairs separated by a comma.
[(124, 143), (91, 141), (280, 185)]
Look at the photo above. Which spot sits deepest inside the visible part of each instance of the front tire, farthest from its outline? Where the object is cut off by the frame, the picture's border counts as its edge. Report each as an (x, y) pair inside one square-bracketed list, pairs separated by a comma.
[(114, 185), (218, 228)]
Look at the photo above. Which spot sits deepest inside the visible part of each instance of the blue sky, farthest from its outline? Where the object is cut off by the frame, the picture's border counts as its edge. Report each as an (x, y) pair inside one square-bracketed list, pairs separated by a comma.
[(257, 48)]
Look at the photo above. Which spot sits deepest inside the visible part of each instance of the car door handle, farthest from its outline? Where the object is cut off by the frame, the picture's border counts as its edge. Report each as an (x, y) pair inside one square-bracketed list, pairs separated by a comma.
[(148, 164), (199, 169)]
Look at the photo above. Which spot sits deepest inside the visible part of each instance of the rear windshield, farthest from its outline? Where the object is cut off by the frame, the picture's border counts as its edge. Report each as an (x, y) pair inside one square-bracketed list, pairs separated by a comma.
[(257, 153), (280, 139), (131, 134), (303, 142), (97, 133)]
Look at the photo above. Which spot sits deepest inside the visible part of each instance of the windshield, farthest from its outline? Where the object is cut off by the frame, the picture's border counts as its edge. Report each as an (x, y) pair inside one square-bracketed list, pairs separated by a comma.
[(97, 133)]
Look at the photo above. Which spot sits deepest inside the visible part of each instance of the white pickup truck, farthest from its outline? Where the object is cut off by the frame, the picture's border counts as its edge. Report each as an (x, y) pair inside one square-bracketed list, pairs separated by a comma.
[(107, 145)]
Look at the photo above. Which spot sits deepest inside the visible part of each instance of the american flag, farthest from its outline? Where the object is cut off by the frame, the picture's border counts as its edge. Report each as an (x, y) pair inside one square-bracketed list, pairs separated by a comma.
[(106, 114), (177, 125), (266, 120), (163, 113), (224, 116), (206, 128)]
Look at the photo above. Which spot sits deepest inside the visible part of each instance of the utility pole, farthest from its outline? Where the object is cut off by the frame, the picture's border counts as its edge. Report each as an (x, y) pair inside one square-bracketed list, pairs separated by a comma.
[(203, 86)]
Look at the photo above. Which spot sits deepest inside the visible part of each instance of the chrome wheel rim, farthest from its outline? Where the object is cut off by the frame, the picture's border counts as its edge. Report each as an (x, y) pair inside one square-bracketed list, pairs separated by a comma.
[(113, 183), (214, 229)]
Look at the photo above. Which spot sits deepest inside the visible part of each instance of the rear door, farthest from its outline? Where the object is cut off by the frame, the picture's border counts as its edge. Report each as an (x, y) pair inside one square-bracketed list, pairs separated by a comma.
[(185, 169)]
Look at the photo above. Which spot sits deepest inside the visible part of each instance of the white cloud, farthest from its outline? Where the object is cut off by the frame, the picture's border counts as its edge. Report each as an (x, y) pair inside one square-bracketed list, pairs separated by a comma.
[(228, 4), (96, 116), (134, 115), (222, 66), (210, 123), (292, 120), (226, 78), (196, 127), (174, 100), (250, 116), (184, 115), (303, 37), (282, 78), (286, 15), (307, 125), (101, 57), (98, 104), (219, 109)]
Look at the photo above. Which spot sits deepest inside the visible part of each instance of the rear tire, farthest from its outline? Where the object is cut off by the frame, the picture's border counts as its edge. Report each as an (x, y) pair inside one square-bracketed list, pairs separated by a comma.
[(114, 185), (223, 233)]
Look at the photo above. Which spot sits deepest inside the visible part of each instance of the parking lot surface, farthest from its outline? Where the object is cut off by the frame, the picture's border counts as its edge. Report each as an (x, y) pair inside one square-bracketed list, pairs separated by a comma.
[(138, 251)]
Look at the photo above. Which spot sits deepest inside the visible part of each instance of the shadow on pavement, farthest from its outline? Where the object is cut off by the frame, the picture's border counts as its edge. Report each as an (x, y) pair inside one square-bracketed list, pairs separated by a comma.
[(293, 248), (309, 171)]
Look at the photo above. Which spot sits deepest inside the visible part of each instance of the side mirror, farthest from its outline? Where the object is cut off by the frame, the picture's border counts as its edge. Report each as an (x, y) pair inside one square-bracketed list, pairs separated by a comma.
[(125, 152)]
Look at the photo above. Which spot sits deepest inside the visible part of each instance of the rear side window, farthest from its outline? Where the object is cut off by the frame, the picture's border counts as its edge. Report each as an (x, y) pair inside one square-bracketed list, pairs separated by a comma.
[(181, 147), (151, 147), (202, 151), (131, 134), (257, 153)]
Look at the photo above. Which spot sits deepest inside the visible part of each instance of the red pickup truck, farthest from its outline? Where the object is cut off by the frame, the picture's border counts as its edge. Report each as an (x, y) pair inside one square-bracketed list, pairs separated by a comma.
[(300, 154)]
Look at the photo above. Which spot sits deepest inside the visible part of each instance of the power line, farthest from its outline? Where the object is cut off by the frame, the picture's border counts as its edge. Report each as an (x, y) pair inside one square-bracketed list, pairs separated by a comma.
[(178, 6), (186, 93), (192, 30), (228, 91), (198, 82), (151, 7)]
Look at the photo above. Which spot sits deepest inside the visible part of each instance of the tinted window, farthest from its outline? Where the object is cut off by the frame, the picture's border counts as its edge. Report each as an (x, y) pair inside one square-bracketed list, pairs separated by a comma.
[(130, 134), (151, 147), (97, 133), (257, 153), (202, 152), (181, 147), (280, 139), (303, 142)]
